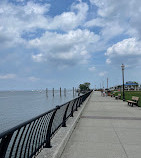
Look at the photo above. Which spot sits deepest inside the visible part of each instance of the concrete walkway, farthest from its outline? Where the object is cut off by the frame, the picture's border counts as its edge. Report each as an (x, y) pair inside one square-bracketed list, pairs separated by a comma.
[(108, 128)]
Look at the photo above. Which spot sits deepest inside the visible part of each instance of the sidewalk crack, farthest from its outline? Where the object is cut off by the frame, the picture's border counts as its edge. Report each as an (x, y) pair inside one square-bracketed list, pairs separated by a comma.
[(120, 142)]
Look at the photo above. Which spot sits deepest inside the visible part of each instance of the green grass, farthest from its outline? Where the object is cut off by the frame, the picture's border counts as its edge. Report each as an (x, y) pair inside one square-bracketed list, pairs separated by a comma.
[(129, 94)]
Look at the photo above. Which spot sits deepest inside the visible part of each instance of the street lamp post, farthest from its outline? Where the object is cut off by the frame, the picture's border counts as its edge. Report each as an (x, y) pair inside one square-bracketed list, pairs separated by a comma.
[(122, 66)]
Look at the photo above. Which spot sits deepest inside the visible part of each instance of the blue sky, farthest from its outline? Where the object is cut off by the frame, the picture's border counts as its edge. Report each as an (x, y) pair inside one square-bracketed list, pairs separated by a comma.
[(53, 43)]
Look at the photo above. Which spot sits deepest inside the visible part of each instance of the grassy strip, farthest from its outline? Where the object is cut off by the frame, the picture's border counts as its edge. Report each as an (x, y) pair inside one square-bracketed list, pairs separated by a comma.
[(129, 94)]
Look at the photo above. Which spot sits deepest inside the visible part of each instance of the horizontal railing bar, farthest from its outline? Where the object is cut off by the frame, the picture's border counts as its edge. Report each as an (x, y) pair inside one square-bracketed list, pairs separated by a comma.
[(69, 101)]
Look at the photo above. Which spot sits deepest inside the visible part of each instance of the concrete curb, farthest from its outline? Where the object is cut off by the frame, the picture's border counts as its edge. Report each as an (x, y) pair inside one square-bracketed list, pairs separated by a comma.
[(61, 138)]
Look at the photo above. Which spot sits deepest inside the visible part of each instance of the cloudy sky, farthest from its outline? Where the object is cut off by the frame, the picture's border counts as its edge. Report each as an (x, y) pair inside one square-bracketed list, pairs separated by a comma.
[(53, 43)]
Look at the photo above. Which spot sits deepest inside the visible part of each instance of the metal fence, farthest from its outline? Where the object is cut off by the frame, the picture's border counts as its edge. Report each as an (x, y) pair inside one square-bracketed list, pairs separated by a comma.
[(27, 139)]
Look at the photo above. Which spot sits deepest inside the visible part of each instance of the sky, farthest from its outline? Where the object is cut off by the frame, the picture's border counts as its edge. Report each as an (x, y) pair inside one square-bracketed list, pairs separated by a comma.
[(63, 43)]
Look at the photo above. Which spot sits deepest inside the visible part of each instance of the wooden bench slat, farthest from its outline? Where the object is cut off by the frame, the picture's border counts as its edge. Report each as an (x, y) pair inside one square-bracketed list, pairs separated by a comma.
[(134, 100)]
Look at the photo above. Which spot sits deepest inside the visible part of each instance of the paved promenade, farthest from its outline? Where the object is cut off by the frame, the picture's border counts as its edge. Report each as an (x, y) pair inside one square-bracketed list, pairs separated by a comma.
[(108, 128)]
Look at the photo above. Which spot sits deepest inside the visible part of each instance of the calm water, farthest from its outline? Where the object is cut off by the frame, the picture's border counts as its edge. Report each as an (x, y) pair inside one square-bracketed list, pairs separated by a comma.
[(19, 106)]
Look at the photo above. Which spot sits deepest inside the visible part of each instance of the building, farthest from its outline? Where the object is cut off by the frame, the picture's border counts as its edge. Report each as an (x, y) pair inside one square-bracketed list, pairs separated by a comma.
[(130, 85)]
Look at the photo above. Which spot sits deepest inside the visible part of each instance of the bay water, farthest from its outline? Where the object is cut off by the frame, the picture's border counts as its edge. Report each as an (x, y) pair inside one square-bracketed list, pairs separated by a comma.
[(19, 106)]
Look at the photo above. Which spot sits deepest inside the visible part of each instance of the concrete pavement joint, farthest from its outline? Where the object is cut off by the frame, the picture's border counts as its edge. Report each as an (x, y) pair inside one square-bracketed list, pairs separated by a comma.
[(120, 142), (114, 118)]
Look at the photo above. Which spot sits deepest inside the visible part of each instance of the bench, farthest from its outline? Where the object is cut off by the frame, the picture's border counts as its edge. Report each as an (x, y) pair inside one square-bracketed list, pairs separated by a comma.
[(134, 101), (118, 96), (113, 95)]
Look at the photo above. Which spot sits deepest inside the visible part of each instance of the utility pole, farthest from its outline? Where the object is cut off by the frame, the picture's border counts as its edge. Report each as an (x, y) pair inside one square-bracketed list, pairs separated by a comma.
[(103, 85), (122, 66), (107, 82)]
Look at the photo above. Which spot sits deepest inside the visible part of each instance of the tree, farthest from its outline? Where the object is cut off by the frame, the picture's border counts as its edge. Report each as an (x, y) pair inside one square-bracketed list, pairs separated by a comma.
[(84, 87), (136, 82)]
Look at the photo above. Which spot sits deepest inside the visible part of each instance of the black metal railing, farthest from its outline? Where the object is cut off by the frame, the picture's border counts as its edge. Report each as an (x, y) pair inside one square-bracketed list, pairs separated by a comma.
[(28, 138)]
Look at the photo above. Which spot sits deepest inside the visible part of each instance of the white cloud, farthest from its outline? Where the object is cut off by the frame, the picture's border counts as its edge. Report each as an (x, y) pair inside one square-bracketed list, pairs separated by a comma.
[(15, 19), (38, 57), (111, 29), (127, 51), (108, 61), (102, 73), (119, 19), (110, 8), (20, 0), (125, 12), (69, 20), (32, 78), (92, 68), (126, 47), (36, 9), (18, 19), (8, 76), (108, 28), (95, 22), (63, 49), (69, 48)]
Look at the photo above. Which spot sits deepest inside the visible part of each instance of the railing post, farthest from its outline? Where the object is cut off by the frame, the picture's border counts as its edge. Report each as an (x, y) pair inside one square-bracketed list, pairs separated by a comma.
[(81, 100), (72, 108), (4, 144), (48, 137), (77, 104), (64, 117)]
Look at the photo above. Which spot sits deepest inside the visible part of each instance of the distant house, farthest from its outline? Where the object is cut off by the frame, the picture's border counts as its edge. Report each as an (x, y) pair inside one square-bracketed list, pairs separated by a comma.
[(130, 85)]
